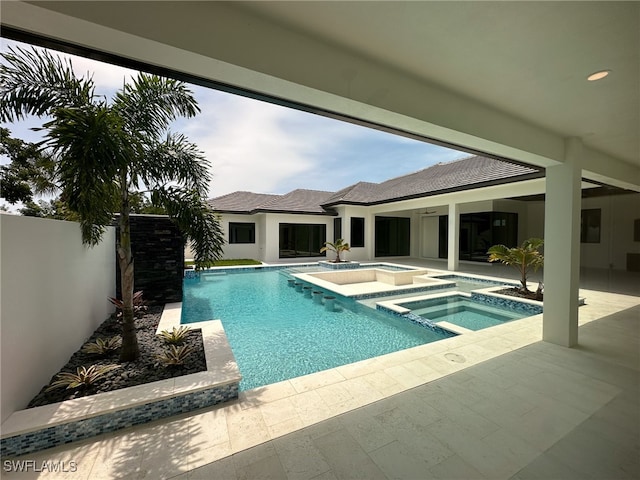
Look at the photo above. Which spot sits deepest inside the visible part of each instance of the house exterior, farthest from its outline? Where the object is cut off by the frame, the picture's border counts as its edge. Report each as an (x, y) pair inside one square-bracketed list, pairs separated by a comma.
[(489, 201)]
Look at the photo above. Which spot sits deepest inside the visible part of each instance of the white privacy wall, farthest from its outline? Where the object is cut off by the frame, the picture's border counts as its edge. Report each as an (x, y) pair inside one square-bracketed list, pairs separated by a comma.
[(53, 294), (618, 213)]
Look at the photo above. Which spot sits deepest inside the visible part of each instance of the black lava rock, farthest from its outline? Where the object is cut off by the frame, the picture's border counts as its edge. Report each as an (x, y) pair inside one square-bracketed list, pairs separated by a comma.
[(145, 369)]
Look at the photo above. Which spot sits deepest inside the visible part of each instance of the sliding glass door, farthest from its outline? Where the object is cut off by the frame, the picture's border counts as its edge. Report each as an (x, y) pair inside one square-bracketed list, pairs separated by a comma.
[(302, 239)]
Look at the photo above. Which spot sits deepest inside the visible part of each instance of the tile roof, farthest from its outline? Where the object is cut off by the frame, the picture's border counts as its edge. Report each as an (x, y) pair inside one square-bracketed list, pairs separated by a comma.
[(456, 175), (240, 202), (470, 172), (359, 192), (297, 201)]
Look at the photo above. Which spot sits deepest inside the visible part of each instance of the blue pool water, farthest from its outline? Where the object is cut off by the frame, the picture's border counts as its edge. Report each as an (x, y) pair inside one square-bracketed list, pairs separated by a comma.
[(276, 333), (463, 312), (467, 284)]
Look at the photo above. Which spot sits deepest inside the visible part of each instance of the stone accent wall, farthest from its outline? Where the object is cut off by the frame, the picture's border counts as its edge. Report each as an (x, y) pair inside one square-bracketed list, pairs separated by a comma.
[(158, 253)]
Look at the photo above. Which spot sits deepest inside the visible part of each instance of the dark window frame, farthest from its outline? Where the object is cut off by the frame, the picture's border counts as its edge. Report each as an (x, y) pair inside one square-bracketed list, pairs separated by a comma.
[(233, 233), (337, 228), (313, 240), (590, 225), (392, 236), (357, 232)]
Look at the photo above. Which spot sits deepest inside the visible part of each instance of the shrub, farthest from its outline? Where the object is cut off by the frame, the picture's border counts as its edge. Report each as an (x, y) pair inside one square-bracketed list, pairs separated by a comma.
[(82, 378), (175, 336), (103, 346), (175, 355), (139, 304)]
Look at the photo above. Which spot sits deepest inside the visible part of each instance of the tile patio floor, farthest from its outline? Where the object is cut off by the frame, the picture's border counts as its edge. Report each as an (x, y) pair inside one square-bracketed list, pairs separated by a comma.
[(494, 404)]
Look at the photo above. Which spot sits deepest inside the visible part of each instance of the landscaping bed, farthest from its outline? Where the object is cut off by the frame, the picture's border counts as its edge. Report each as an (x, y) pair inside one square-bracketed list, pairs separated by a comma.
[(515, 292), (147, 368)]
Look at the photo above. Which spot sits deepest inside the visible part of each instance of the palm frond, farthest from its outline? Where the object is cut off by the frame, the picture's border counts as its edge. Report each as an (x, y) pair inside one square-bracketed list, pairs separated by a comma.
[(34, 82), (196, 220), (92, 150), (174, 160), (522, 258), (150, 103)]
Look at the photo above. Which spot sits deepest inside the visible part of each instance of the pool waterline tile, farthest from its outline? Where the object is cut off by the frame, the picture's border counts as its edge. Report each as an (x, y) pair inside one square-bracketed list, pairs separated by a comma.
[(309, 404), (291, 314), (39, 428)]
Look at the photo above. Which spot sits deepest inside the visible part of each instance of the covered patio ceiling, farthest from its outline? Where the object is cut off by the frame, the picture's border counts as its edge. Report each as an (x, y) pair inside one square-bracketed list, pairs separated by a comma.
[(505, 78)]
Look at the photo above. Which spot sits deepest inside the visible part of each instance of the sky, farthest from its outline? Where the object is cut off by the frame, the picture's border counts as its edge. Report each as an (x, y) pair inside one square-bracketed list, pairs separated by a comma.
[(264, 148)]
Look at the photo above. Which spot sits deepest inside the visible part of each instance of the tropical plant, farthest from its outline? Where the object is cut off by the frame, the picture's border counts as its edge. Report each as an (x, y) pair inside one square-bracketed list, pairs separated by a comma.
[(82, 378), (176, 335), (54, 208), (103, 346), (139, 304), (524, 258), (175, 355), (105, 152), (338, 247), (30, 170)]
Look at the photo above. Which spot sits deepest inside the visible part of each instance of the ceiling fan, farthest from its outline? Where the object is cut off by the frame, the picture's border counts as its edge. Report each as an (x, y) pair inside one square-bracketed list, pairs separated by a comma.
[(428, 212)]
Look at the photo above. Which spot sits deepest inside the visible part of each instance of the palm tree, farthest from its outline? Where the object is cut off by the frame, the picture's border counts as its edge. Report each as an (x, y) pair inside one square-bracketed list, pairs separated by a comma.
[(106, 152), (338, 247), (522, 258)]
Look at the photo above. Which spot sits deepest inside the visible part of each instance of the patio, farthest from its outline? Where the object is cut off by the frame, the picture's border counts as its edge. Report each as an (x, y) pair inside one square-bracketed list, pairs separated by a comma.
[(497, 403)]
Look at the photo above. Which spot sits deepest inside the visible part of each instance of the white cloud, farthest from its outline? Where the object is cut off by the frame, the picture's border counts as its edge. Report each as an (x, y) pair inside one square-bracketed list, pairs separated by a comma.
[(266, 148), (257, 146)]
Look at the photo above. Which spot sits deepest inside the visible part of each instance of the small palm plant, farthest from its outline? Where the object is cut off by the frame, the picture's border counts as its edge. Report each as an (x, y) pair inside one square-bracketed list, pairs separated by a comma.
[(103, 346), (83, 377), (338, 247), (175, 355), (175, 336), (523, 258)]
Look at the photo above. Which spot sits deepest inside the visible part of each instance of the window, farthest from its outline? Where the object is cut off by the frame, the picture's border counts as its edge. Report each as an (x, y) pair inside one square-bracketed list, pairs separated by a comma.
[(590, 226), (242, 232), (302, 239), (357, 232), (393, 236), (478, 232), (337, 229)]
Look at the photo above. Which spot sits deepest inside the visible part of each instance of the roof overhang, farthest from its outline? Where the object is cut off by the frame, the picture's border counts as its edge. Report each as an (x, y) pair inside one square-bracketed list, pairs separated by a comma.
[(518, 91)]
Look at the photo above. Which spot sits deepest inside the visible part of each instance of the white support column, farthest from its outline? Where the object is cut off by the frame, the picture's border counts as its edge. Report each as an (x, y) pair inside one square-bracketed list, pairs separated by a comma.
[(453, 252), (562, 248)]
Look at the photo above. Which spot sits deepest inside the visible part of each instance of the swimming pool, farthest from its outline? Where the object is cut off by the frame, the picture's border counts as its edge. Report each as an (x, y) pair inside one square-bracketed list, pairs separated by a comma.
[(276, 333), (468, 283), (462, 311)]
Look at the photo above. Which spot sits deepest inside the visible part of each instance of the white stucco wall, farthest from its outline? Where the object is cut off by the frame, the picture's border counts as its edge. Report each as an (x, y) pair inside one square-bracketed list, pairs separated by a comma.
[(243, 250), (616, 232), (272, 234), (53, 294), (535, 220), (618, 213), (429, 236), (352, 211), (519, 207), (616, 235)]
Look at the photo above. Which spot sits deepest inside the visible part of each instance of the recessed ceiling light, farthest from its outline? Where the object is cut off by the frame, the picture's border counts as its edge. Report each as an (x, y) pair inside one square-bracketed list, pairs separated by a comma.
[(598, 75)]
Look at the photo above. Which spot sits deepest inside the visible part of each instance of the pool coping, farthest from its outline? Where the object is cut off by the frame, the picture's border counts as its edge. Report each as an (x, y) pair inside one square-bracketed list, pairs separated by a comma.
[(268, 413), (37, 428), (394, 306), (381, 289)]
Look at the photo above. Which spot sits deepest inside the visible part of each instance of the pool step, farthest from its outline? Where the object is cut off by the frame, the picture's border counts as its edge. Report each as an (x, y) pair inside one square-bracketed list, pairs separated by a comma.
[(454, 328)]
